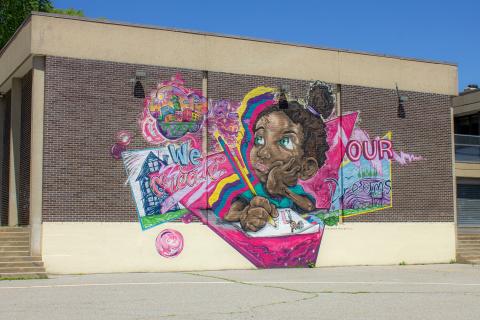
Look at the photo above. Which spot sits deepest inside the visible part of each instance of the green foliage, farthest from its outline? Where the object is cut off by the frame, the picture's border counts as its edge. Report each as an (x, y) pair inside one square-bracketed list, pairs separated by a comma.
[(365, 173), (151, 221), (14, 12), (330, 219), (68, 11)]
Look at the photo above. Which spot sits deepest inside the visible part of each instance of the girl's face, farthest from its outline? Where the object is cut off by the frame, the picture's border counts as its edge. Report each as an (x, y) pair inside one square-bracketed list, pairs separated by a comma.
[(277, 140)]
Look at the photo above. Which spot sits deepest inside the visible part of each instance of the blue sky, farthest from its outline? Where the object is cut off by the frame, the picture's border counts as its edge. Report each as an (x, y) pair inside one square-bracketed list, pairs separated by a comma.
[(426, 29)]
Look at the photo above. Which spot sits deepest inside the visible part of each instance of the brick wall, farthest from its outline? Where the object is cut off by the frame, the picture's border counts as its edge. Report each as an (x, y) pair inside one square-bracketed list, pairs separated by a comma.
[(87, 102), (235, 86), (4, 162), (423, 190), (25, 153)]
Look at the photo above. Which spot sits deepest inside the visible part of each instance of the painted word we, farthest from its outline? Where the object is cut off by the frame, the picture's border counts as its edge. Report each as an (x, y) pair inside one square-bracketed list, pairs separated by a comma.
[(183, 155)]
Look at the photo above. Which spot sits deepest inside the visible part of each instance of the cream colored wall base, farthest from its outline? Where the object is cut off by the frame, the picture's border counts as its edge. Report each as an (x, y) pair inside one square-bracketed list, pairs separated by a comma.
[(123, 247), (387, 243)]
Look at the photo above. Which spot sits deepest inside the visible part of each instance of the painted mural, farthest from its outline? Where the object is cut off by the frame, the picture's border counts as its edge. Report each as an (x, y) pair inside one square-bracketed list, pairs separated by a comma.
[(266, 174)]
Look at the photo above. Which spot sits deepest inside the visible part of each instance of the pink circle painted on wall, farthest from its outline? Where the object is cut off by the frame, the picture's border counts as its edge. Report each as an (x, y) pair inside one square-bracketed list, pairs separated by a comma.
[(124, 137), (169, 243)]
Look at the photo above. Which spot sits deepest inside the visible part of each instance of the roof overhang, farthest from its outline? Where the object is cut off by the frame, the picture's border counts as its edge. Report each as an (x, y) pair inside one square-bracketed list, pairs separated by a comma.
[(65, 36)]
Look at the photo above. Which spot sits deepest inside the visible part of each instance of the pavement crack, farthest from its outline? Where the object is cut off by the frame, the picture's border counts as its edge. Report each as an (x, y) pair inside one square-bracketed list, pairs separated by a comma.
[(310, 295)]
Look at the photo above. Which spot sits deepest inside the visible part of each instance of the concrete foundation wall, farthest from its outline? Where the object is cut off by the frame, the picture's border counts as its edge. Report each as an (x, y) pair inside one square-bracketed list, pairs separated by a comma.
[(123, 247)]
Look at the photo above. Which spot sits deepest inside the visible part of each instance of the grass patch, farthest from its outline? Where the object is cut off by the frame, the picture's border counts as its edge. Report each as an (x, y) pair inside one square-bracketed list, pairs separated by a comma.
[(26, 277)]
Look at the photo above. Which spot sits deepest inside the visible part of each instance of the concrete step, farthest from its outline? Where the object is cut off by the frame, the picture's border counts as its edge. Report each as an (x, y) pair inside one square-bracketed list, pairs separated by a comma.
[(474, 261), (9, 240), (21, 253), (469, 261), (469, 253), (8, 248), (473, 246), (13, 229), (24, 275), (468, 257), (21, 269), (21, 264), (469, 237), (14, 242), (26, 258), (17, 235), (468, 242), (469, 248), (472, 249), (468, 245)]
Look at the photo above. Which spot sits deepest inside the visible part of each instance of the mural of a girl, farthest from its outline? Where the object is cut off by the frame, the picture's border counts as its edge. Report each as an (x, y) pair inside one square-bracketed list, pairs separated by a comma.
[(289, 144), (273, 175)]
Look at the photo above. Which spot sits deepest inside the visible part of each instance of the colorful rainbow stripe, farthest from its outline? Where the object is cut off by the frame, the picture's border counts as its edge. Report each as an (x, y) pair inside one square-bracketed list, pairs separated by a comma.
[(231, 187)]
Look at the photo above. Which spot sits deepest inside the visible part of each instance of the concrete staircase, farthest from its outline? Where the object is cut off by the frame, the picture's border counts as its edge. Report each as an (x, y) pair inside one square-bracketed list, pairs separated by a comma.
[(15, 258), (468, 245)]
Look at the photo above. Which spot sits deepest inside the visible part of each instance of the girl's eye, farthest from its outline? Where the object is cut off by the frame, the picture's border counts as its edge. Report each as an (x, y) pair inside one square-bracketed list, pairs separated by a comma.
[(259, 141), (286, 142)]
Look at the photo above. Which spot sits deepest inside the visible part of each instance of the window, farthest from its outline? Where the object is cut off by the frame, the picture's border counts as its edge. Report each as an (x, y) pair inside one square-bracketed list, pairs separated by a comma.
[(468, 125)]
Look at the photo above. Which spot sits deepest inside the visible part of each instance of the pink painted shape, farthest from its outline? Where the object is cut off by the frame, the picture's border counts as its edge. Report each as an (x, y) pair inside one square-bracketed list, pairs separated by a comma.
[(208, 173), (300, 250), (322, 185), (169, 243), (405, 158), (362, 136), (124, 137)]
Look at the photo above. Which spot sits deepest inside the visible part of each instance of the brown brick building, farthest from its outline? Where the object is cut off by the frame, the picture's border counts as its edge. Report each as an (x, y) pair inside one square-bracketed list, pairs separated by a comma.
[(67, 86)]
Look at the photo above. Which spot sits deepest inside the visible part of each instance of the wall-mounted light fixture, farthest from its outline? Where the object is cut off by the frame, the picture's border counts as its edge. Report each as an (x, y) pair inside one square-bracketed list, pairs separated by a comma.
[(138, 90), (401, 104)]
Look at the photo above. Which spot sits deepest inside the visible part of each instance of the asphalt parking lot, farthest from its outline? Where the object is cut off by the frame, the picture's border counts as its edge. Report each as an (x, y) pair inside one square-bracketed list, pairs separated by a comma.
[(450, 291)]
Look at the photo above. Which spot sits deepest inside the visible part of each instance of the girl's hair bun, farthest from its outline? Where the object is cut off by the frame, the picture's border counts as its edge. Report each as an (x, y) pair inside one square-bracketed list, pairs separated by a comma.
[(320, 99)]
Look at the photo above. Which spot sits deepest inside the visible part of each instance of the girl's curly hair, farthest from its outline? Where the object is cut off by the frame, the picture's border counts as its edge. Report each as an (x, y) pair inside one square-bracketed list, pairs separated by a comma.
[(320, 103)]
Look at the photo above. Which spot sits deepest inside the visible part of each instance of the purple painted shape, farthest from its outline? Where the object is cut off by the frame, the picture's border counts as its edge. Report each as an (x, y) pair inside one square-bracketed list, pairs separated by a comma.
[(169, 243), (367, 192), (116, 151), (187, 218)]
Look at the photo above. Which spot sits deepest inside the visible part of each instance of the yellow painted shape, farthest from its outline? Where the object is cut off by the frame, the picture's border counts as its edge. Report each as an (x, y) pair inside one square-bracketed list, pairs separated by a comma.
[(216, 193)]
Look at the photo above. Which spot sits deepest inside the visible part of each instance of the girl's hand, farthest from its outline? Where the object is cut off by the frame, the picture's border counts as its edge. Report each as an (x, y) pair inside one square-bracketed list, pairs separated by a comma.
[(256, 214), (282, 176)]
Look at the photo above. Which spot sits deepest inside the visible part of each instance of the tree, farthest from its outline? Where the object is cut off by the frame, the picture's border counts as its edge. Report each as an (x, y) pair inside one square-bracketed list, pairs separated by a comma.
[(68, 11), (14, 12)]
